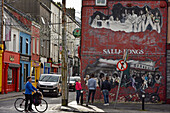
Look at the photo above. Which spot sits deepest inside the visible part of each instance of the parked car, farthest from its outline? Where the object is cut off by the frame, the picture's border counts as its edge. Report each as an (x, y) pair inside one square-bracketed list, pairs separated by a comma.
[(72, 82), (50, 84)]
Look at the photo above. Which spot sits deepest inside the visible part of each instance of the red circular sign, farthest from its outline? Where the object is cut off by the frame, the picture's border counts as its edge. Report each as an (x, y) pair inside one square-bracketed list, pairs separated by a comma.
[(121, 65)]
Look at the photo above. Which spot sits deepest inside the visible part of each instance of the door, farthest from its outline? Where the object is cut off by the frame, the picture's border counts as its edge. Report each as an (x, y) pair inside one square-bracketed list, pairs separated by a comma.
[(20, 78), (25, 73), (12, 73)]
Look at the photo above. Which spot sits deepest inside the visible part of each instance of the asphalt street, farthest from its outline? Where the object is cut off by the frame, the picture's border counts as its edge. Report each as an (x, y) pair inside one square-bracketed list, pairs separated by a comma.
[(7, 105)]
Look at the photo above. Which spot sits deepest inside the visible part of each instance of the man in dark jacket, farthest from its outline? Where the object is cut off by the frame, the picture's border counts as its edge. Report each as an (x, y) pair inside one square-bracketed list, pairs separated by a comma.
[(106, 87)]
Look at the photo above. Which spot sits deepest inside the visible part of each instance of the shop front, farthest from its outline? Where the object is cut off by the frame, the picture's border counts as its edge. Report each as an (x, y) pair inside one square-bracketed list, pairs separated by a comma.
[(25, 62), (47, 68), (11, 67), (35, 72)]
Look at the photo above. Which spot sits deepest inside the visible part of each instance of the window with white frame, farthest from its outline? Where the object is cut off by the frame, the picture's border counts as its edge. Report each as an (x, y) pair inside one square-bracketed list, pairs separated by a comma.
[(38, 46), (33, 40), (101, 2)]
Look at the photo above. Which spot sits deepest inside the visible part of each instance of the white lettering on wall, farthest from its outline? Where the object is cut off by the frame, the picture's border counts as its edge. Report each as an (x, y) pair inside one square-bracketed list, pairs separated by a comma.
[(119, 51)]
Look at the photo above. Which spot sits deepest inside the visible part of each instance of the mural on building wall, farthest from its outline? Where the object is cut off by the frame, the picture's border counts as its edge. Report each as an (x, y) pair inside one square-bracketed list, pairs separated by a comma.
[(139, 76), (128, 19)]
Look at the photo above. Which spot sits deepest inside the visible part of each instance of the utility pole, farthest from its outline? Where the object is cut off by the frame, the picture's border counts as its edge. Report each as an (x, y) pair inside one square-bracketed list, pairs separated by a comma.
[(59, 39), (1, 44), (64, 57)]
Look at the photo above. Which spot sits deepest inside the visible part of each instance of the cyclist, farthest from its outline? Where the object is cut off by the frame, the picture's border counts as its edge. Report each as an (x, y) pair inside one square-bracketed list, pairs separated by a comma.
[(29, 88)]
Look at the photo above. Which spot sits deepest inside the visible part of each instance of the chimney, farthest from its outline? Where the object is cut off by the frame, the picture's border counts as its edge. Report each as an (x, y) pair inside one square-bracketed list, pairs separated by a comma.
[(71, 12)]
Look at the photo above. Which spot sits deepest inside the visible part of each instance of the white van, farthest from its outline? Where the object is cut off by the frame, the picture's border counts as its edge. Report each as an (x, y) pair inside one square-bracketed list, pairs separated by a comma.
[(50, 84)]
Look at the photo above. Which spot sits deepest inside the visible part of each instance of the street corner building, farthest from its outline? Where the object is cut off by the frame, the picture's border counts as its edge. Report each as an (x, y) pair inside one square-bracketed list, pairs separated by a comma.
[(109, 27)]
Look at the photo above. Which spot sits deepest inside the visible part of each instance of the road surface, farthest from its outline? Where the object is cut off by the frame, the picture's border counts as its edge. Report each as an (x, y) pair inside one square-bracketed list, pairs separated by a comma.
[(7, 105)]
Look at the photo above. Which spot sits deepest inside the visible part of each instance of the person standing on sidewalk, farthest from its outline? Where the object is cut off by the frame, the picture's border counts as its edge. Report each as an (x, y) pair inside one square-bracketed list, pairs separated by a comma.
[(29, 88), (92, 88), (106, 87), (78, 90)]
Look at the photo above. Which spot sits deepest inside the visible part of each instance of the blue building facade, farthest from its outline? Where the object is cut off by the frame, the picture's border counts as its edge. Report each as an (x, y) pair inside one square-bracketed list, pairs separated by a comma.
[(25, 58)]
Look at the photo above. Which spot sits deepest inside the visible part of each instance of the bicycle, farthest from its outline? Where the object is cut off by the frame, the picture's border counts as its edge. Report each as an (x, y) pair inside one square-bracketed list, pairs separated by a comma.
[(41, 107)]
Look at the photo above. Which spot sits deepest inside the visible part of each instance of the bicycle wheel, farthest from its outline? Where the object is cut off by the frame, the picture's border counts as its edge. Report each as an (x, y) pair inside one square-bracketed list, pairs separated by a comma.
[(19, 104), (42, 107)]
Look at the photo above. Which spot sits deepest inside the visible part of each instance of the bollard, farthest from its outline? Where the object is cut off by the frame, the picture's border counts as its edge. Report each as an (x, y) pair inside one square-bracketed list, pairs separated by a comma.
[(87, 98), (143, 101), (81, 94)]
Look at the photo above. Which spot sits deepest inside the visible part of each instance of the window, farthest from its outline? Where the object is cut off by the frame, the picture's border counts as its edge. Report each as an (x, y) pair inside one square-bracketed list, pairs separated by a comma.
[(10, 78), (27, 43), (25, 72), (33, 45), (100, 2), (21, 44), (37, 46), (14, 43)]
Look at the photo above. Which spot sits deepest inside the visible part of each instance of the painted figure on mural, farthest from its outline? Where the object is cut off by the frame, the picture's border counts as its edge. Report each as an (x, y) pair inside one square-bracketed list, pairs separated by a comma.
[(134, 19), (149, 19), (156, 20), (141, 22)]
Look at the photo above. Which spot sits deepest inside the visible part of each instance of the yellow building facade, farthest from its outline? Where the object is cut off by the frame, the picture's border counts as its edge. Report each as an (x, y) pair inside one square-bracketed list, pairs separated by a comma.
[(35, 72)]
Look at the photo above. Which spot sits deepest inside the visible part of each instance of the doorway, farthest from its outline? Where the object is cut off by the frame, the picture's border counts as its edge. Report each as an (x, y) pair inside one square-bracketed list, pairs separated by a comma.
[(11, 79)]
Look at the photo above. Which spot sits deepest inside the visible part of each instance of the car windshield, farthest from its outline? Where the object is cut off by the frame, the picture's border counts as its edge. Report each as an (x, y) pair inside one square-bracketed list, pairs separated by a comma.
[(74, 78), (49, 78)]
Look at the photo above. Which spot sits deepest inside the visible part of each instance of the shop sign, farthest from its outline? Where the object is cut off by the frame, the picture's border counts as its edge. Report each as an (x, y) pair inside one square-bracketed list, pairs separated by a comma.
[(55, 66), (25, 58), (77, 32), (48, 65), (36, 64), (49, 60), (11, 58)]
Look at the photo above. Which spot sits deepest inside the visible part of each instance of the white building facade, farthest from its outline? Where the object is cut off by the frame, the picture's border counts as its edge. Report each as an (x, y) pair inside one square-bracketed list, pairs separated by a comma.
[(56, 37)]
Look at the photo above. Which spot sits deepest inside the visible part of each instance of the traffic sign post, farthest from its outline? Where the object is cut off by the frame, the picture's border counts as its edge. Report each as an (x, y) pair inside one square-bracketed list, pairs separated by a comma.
[(122, 66)]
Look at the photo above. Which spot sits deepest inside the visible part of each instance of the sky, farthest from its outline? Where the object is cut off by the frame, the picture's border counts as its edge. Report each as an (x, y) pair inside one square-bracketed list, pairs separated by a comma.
[(76, 4)]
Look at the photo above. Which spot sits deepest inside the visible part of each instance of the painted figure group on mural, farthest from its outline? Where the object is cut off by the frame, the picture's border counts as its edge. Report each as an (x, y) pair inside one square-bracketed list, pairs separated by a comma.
[(138, 81), (128, 19)]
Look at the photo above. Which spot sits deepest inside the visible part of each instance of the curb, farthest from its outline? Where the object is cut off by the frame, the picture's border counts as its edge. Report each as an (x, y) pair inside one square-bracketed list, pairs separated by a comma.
[(8, 97), (64, 108)]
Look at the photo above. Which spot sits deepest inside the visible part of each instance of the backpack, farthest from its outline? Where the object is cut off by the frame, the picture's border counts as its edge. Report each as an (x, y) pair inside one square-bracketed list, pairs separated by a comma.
[(37, 98)]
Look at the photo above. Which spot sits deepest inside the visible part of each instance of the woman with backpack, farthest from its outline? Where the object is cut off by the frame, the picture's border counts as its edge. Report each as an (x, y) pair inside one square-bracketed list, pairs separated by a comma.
[(78, 90)]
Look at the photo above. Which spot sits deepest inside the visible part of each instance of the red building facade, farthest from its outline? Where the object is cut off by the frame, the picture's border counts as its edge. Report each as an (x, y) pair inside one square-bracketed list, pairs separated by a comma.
[(11, 67), (108, 30), (35, 52)]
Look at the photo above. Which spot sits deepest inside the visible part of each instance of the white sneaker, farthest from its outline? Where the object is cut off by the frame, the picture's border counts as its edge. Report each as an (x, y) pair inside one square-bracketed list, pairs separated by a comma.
[(105, 104)]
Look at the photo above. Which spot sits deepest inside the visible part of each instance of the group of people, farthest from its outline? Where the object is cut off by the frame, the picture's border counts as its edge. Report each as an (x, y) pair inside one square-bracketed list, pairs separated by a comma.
[(92, 84), (133, 20)]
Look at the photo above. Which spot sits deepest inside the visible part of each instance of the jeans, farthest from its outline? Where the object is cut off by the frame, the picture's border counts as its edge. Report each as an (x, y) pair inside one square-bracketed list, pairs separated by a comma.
[(106, 96), (93, 93), (78, 96), (27, 98)]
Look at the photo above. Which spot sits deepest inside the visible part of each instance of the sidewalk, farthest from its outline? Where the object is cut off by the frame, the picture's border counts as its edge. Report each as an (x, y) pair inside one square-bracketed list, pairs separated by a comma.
[(10, 95), (120, 108)]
